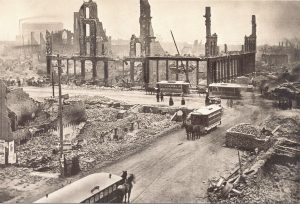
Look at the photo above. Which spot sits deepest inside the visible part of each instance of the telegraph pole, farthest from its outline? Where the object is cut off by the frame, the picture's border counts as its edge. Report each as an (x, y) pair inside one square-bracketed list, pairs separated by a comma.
[(52, 79), (59, 66)]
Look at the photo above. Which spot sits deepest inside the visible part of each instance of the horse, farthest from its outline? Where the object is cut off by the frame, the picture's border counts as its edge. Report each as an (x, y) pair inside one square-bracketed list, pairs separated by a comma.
[(197, 130), (126, 187), (149, 90), (189, 131)]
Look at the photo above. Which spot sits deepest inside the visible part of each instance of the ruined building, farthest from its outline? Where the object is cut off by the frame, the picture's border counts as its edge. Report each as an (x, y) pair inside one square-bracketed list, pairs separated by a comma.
[(146, 40), (5, 125), (93, 40), (250, 41), (211, 45)]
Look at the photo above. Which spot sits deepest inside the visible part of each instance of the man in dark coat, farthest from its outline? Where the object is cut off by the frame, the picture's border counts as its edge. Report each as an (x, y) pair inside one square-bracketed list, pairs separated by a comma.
[(171, 102), (157, 96), (161, 96), (182, 101)]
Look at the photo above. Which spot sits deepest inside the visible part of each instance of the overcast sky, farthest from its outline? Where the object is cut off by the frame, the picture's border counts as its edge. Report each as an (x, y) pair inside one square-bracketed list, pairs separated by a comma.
[(231, 20)]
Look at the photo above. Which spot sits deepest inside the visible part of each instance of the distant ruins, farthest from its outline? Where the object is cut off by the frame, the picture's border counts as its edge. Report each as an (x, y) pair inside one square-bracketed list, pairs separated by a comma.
[(95, 46)]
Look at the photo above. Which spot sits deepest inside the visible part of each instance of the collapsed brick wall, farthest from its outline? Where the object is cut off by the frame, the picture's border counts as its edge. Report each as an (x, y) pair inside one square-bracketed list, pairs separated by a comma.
[(5, 127), (21, 104), (246, 141)]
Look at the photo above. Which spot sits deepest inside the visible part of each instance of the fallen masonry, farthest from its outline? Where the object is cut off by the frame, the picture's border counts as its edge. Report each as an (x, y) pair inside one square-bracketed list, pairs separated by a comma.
[(268, 168), (104, 136)]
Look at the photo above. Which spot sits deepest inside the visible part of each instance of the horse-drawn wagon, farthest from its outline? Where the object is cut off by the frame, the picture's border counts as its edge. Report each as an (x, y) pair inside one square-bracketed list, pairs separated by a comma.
[(94, 188), (201, 121)]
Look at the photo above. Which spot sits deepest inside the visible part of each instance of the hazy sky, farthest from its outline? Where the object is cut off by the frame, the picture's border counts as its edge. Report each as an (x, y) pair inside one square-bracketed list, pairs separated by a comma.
[(231, 20)]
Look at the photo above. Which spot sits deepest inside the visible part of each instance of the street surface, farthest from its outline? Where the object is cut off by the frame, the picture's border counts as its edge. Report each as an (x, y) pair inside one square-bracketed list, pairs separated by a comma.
[(171, 169)]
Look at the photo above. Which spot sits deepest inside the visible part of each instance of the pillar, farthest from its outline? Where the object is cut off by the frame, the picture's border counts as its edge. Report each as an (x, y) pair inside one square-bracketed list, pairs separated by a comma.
[(49, 64), (209, 71), (106, 72), (221, 70), (82, 70), (146, 70), (123, 68), (68, 69), (186, 72), (132, 71), (74, 69), (218, 71), (176, 69), (167, 70), (197, 72), (157, 71), (225, 69), (228, 70), (94, 68)]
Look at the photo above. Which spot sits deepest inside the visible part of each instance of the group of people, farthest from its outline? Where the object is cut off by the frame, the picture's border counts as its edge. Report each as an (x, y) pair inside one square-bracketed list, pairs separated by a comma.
[(160, 98)]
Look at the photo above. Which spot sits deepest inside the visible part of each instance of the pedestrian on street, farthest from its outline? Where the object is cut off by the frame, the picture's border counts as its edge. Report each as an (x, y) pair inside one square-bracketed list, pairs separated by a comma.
[(161, 96), (182, 101), (157, 96), (171, 102)]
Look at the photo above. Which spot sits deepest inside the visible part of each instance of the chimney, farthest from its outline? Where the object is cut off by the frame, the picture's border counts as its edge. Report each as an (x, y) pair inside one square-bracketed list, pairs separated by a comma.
[(207, 21), (253, 25)]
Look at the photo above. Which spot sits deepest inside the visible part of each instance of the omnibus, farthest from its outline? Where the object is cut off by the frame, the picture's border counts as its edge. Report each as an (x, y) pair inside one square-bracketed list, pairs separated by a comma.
[(94, 188), (208, 117), (174, 87), (225, 90)]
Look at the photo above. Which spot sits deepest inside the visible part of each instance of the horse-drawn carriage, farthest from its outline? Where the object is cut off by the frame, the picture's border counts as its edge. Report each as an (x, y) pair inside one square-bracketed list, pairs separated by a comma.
[(201, 121), (94, 188)]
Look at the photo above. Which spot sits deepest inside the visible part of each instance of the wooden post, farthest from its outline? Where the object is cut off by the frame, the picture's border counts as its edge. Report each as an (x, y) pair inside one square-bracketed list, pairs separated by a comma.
[(61, 134)]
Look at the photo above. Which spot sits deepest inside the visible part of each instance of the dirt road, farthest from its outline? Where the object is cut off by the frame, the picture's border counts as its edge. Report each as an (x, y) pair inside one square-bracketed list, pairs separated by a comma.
[(131, 97)]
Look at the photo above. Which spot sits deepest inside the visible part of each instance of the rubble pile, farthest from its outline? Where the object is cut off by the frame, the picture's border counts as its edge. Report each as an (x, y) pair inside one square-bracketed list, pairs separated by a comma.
[(104, 137), (109, 138), (22, 105), (278, 184), (289, 127), (37, 153), (247, 137), (245, 128), (107, 114)]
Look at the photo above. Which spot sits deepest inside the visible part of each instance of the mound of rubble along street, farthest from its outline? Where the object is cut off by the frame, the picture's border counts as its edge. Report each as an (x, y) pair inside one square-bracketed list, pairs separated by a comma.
[(267, 176), (103, 137)]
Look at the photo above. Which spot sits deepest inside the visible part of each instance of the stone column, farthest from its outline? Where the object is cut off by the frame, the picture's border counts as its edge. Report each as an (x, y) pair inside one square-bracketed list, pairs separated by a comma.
[(167, 70), (177, 69), (197, 73), (157, 70), (68, 69), (94, 68), (132, 71), (106, 72), (82, 70), (74, 68)]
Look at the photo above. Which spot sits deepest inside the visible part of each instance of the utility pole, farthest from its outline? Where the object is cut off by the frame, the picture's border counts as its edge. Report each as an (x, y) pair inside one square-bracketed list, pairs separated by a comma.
[(61, 156), (52, 79)]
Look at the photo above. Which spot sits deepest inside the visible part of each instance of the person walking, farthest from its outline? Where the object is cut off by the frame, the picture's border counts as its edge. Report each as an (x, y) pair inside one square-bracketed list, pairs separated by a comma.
[(157, 96), (182, 101), (161, 96), (171, 102)]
